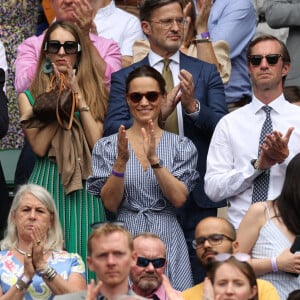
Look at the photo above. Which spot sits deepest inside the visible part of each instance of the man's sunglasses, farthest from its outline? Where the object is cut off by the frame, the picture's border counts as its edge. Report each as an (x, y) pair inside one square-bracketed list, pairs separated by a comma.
[(144, 262), (272, 59), (70, 47), (137, 97)]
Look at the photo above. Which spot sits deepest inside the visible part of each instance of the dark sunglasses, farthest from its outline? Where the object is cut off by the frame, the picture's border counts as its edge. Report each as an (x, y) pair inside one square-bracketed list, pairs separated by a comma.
[(272, 59), (70, 47), (144, 262), (100, 224), (137, 97)]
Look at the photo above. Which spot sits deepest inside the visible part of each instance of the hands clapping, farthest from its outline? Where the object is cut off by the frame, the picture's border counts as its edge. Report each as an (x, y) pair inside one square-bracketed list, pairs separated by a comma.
[(275, 149)]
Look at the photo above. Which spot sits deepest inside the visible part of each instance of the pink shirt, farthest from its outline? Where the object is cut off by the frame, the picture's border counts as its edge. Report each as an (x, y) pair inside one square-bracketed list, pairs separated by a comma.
[(29, 50)]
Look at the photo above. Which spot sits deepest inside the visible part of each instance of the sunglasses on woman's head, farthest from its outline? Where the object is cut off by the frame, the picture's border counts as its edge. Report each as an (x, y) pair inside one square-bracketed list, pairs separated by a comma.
[(242, 257), (137, 97), (144, 262), (100, 224), (70, 47), (272, 59)]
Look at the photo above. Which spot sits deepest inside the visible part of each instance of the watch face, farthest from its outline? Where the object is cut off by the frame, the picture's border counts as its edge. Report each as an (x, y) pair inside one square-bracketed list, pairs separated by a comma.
[(158, 165)]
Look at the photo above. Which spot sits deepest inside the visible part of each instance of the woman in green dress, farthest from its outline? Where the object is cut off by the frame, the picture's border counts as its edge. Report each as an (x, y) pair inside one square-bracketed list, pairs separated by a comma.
[(64, 156)]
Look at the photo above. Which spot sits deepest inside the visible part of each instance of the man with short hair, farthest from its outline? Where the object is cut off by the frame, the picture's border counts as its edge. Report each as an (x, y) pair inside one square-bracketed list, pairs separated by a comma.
[(215, 235), (151, 264), (111, 256), (252, 146)]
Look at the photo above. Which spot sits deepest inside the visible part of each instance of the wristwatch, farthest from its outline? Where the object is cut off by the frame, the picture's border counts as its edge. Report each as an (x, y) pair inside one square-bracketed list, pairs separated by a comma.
[(158, 165)]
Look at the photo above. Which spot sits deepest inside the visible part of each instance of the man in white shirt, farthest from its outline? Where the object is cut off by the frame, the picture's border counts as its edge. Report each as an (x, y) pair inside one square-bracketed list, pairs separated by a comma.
[(117, 24), (233, 161)]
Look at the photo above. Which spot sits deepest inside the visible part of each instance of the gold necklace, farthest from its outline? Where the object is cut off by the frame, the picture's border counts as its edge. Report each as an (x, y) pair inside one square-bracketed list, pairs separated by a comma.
[(20, 251)]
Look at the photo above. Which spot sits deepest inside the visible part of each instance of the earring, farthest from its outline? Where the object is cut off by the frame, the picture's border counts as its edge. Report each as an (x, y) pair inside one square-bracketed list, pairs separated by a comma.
[(47, 66)]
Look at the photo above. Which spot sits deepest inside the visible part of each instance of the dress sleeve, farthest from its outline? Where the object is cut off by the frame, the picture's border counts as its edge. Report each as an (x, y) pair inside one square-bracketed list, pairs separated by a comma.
[(185, 163), (103, 158), (77, 265)]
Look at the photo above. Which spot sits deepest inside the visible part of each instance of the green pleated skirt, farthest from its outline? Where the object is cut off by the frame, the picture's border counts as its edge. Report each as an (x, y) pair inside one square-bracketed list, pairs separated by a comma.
[(76, 210)]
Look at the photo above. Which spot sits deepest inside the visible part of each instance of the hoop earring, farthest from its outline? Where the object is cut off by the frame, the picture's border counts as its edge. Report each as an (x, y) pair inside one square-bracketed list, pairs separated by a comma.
[(47, 66)]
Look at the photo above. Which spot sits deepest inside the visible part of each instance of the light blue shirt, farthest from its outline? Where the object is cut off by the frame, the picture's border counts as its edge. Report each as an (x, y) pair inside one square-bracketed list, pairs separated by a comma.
[(235, 22)]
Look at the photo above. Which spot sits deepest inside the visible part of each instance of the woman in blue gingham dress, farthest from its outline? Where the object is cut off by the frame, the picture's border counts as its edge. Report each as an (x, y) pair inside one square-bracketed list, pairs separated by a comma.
[(143, 206)]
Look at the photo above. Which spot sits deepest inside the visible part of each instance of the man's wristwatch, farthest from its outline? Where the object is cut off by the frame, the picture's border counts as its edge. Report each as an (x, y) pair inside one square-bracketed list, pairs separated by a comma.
[(157, 165), (255, 164)]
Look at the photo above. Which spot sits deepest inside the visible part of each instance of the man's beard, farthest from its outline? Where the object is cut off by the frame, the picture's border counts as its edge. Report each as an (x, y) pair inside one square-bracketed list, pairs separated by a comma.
[(149, 283)]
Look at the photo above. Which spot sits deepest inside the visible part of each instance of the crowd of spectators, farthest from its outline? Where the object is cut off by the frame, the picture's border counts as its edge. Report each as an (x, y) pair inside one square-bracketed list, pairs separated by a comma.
[(186, 109)]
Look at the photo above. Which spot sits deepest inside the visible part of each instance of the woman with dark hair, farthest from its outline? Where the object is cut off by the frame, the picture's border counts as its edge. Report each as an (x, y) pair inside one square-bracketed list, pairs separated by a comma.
[(63, 157), (145, 173), (268, 231)]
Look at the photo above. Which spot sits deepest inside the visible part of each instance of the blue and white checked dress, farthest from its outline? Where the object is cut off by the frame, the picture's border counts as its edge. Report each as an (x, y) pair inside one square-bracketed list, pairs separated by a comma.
[(144, 207)]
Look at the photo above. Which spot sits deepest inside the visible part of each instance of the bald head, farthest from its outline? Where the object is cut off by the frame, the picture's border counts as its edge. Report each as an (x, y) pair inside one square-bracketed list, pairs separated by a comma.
[(214, 235)]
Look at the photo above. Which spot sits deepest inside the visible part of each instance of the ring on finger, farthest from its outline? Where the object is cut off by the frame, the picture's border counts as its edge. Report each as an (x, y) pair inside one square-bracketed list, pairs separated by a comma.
[(38, 242), (28, 255)]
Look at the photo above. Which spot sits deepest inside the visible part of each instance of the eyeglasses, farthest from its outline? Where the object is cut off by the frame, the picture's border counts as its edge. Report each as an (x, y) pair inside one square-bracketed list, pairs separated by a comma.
[(243, 257), (272, 59), (99, 224), (144, 262), (70, 47), (213, 239), (137, 97), (167, 23)]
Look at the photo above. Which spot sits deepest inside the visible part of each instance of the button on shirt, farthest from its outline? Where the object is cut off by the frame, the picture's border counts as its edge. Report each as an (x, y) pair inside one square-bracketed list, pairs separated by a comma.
[(234, 144)]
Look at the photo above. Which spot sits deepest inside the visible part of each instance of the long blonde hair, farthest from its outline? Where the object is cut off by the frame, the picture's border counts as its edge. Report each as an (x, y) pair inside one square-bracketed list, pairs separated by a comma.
[(90, 80)]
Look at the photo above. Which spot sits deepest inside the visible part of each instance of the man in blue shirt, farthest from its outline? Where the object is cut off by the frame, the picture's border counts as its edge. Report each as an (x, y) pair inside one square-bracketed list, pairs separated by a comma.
[(234, 22)]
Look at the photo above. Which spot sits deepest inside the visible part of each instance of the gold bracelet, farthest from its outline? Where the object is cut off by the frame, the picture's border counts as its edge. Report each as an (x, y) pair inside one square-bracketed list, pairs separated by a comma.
[(84, 108), (199, 41)]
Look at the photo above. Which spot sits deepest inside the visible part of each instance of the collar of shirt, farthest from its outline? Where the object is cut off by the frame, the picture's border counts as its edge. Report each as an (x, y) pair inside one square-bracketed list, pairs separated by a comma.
[(155, 61), (160, 293), (277, 104), (107, 10)]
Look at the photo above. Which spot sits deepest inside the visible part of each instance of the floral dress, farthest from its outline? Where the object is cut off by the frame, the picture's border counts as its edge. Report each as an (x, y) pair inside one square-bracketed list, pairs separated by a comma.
[(17, 22), (11, 269)]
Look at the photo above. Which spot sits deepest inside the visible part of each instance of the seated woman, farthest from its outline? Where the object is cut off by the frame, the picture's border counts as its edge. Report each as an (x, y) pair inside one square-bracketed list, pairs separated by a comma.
[(145, 173), (33, 264), (63, 159), (268, 230)]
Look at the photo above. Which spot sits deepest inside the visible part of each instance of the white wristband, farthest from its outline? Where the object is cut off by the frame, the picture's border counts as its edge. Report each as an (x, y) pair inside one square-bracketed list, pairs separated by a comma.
[(274, 264)]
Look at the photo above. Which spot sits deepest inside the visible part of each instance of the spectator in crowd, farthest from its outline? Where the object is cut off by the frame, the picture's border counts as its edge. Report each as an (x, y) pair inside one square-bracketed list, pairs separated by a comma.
[(65, 51), (33, 264), (146, 275), (215, 236), (234, 22), (262, 27), (268, 230), (111, 257), (246, 172), (144, 173), (106, 53), (106, 56), (18, 20), (292, 94), (117, 24), (231, 276), (216, 53), (192, 109), (285, 13), (5, 202)]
